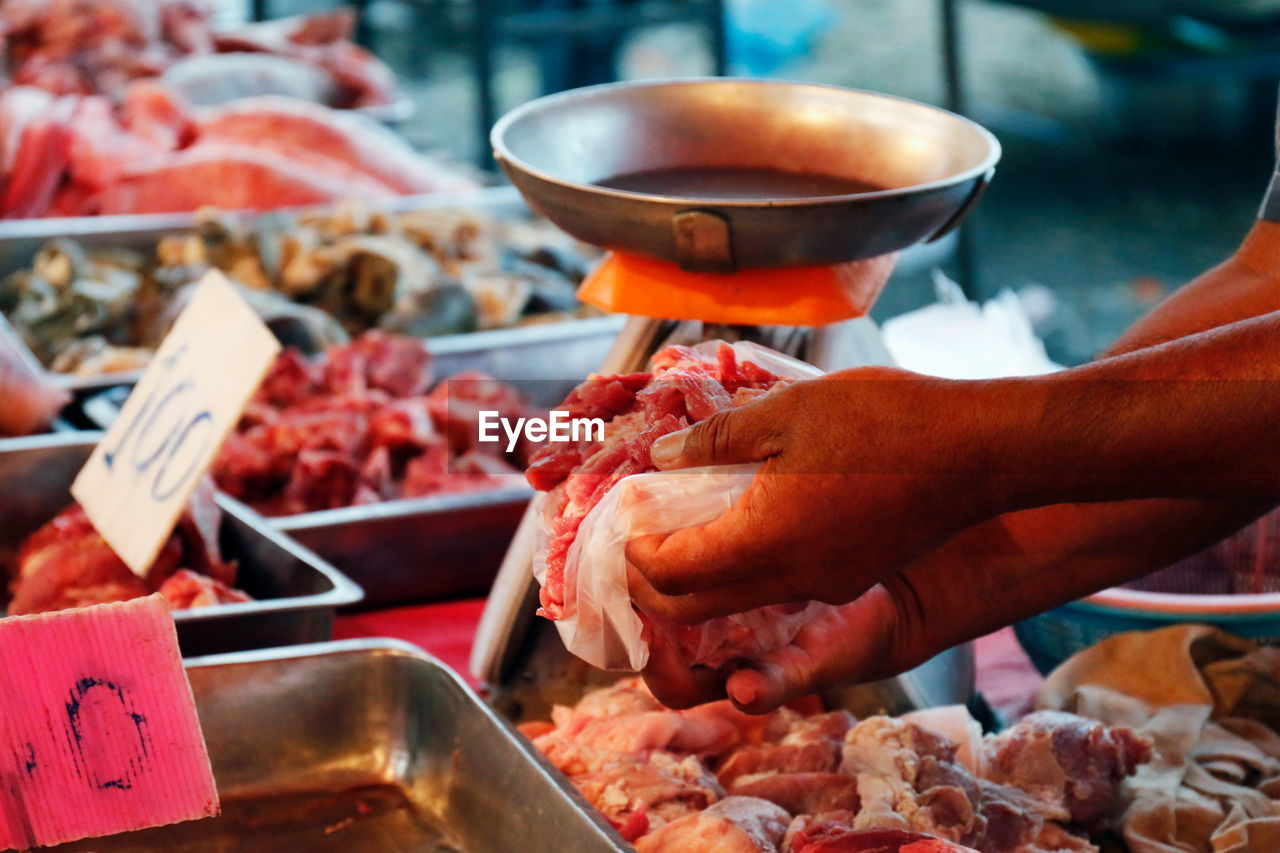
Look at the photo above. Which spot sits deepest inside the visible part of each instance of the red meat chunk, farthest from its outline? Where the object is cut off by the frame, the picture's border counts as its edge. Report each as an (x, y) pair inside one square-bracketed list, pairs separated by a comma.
[(684, 387), (363, 425)]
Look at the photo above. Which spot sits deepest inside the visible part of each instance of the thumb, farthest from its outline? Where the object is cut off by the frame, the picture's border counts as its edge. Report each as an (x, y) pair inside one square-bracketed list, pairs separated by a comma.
[(731, 436), (773, 680), (855, 642)]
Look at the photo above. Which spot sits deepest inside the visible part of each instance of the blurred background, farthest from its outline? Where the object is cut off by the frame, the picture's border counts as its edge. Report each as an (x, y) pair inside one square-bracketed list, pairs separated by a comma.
[(1138, 134)]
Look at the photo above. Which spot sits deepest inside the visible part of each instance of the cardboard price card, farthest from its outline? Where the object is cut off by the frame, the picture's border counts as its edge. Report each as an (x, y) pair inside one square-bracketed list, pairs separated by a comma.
[(98, 726), (140, 476)]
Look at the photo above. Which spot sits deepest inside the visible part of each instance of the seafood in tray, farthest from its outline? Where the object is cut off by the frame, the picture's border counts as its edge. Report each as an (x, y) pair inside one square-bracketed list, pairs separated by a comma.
[(317, 278), (365, 424), (800, 780)]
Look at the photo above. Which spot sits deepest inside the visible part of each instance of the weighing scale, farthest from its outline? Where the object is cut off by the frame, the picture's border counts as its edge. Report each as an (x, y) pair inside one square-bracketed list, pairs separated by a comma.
[(742, 210)]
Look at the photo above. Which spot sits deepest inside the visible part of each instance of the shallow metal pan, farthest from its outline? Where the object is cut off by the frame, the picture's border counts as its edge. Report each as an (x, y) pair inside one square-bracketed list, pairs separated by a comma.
[(370, 746), (933, 166), (295, 592), (445, 546)]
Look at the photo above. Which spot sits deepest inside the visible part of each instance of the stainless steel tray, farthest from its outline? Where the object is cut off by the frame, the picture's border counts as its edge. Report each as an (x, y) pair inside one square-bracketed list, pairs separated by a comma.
[(560, 350), (295, 591), (417, 549), (369, 746), (446, 546)]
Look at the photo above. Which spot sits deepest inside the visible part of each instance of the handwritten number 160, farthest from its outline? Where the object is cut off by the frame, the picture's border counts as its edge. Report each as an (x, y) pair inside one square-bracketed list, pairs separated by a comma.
[(170, 421)]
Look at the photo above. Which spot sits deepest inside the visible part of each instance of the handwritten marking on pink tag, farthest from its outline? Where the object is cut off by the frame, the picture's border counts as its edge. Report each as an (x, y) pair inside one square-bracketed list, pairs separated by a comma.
[(98, 726)]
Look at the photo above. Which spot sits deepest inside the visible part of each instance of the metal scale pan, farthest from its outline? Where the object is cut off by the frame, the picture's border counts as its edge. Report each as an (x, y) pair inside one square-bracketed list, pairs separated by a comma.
[(930, 166)]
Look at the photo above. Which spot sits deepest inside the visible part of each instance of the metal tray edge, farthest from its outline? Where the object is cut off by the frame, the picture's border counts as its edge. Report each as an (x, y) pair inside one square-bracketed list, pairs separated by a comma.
[(344, 592)]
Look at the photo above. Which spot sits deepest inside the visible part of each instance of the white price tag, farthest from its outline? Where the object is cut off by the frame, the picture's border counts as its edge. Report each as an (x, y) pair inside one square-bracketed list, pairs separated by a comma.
[(140, 476)]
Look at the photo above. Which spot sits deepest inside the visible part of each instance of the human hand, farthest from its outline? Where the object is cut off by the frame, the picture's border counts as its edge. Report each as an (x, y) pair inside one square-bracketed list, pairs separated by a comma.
[(989, 576), (863, 472)]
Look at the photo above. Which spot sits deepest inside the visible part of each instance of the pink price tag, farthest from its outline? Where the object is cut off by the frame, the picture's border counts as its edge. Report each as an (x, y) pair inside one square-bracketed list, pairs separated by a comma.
[(98, 726)]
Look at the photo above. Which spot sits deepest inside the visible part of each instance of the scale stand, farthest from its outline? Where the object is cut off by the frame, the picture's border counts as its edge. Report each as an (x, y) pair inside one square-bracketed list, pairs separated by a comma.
[(796, 274)]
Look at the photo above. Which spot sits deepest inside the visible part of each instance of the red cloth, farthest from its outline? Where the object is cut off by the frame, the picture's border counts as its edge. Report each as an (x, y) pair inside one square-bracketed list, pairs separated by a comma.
[(445, 629)]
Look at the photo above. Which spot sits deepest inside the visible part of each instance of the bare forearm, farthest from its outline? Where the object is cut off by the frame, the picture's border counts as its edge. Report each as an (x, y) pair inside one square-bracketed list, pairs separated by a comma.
[(1245, 285), (1192, 418)]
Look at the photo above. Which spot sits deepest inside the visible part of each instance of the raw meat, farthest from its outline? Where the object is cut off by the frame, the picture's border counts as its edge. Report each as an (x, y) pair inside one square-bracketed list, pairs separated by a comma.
[(86, 47), (308, 132), (733, 825), (233, 177), (359, 426), (1069, 761), (683, 388), (801, 793), (66, 563), (321, 40), (150, 152), (831, 837), (594, 505), (880, 785)]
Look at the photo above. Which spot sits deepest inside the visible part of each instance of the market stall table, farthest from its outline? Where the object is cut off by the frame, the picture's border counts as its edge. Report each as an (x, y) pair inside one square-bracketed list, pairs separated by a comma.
[(446, 629)]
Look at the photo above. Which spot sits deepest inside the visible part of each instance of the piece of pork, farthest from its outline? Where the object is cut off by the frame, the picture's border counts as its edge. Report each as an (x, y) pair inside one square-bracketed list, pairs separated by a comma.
[(1068, 761), (231, 177), (300, 129), (830, 834), (66, 563), (733, 825), (801, 793), (639, 794)]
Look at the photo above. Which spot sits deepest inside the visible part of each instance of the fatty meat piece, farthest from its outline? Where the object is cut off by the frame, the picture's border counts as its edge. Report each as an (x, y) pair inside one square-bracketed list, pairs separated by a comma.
[(831, 836), (733, 825), (684, 387), (1069, 761), (233, 177), (304, 131), (66, 563), (90, 47)]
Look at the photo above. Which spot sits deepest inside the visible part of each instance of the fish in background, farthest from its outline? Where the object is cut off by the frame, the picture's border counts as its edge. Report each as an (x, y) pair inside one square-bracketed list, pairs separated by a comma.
[(84, 155)]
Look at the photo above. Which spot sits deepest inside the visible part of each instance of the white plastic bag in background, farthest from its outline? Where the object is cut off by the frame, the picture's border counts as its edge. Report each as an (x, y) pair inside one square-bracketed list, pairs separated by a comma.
[(599, 624), (29, 399)]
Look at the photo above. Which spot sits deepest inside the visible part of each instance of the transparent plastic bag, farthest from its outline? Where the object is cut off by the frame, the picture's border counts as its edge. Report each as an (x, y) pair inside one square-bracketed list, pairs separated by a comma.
[(29, 399), (599, 624)]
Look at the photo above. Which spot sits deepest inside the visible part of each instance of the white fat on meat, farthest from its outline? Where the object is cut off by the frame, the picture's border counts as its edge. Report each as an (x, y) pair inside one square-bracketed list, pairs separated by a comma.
[(956, 724), (733, 825), (660, 787)]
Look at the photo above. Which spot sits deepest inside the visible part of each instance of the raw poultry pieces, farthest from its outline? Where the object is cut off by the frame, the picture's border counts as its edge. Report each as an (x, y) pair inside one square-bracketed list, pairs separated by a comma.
[(82, 155), (713, 779), (90, 47), (364, 425), (66, 563)]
